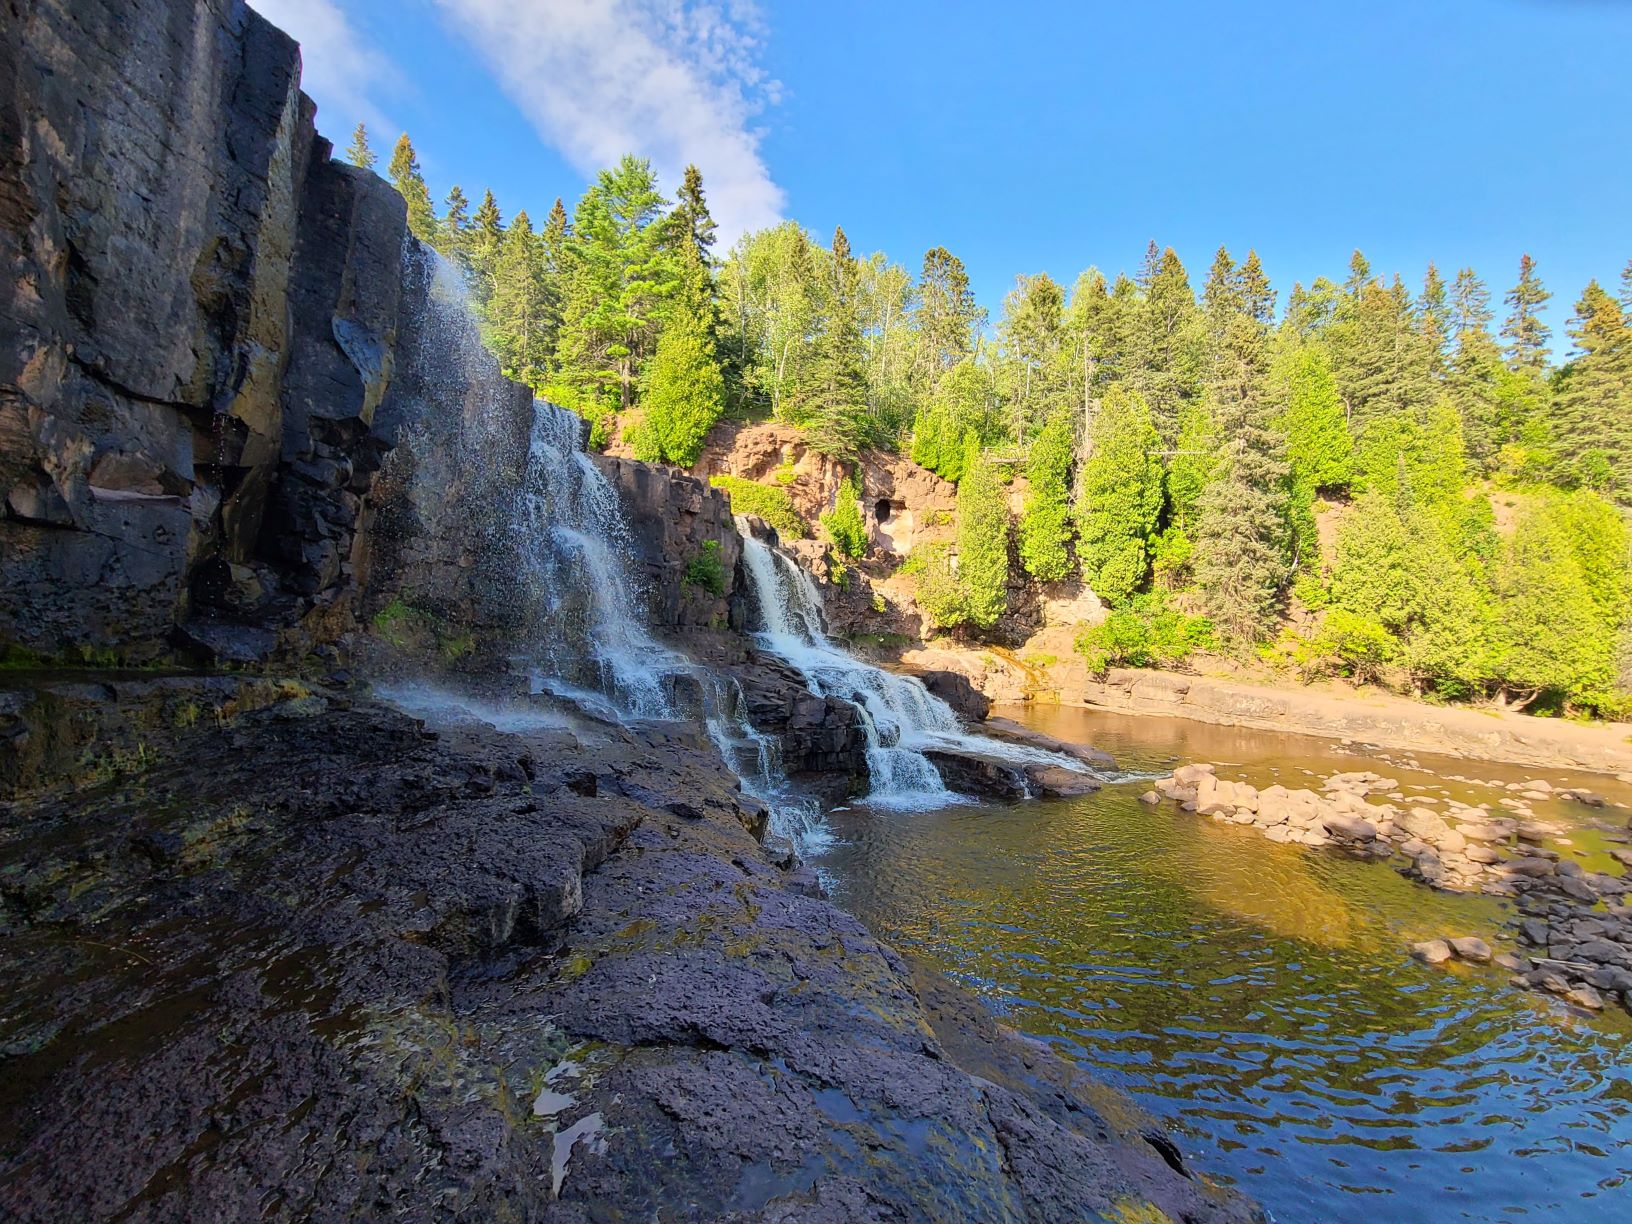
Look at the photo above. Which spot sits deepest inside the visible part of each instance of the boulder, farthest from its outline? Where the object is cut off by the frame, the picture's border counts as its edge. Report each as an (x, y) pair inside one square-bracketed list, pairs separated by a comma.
[(1349, 828), (1432, 951), (1471, 948)]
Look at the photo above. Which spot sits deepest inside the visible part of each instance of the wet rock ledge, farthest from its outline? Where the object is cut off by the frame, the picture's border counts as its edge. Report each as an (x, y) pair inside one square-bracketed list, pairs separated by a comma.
[(304, 957)]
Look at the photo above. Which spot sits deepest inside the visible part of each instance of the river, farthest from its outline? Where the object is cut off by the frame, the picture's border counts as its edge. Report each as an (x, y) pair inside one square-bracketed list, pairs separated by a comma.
[(1260, 997)]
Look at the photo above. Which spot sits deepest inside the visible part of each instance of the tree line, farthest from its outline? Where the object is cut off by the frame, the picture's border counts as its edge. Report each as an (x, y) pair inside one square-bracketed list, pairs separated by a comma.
[(1385, 483)]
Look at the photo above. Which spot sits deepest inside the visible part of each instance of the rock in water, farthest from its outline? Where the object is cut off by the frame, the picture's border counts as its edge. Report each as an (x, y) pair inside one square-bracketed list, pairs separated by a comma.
[(1432, 951), (1471, 948)]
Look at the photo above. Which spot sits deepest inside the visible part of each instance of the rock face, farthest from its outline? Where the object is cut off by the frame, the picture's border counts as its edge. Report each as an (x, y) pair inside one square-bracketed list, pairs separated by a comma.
[(678, 520), (359, 970), (202, 322)]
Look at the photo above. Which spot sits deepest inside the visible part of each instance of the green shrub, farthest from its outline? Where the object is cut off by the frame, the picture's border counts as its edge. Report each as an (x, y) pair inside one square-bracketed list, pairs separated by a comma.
[(844, 523), (706, 571), (1146, 633), (773, 505)]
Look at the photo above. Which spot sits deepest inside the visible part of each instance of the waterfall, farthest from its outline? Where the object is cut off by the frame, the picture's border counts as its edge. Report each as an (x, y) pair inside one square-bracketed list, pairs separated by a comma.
[(588, 633), (901, 717)]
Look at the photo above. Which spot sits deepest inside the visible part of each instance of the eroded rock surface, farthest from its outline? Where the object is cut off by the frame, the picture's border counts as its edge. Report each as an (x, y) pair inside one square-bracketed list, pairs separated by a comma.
[(361, 970)]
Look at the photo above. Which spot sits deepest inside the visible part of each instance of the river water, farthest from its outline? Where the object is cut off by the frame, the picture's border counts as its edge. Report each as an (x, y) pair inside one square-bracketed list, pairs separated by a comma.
[(1260, 997)]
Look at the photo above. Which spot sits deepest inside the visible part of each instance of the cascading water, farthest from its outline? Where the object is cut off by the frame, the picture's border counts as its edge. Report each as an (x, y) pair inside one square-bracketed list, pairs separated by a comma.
[(902, 718), (589, 634)]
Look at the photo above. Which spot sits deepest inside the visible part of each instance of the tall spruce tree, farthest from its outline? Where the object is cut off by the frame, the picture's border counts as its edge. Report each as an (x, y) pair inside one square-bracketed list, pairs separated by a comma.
[(406, 177), (1524, 331), (947, 318), (1592, 416), (486, 237), (360, 154), (1241, 536), (453, 232), (834, 406)]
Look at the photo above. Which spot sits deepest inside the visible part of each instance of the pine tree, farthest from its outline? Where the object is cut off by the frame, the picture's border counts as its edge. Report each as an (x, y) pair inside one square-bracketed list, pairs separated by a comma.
[(620, 276), (453, 233), (1045, 523), (1434, 314), (1119, 500), (408, 180), (1241, 535), (1030, 334), (1592, 426), (834, 406), (983, 538), (359, 154), (1526, 334), (947, 318), (517, 312), (485, 239), (683, 392), (694, 225), (1168, 353)]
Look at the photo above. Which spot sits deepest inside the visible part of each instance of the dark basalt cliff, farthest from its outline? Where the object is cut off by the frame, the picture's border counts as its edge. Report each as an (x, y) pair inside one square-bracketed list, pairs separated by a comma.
[(201, 322), (273, 949)]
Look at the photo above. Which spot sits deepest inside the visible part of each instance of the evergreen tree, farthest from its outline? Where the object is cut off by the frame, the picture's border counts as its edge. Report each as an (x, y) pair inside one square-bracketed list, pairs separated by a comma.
[(983, 538), (1551, 639), (1592, 429), (948, 317), (1191, 465), (693, 224), (453, 233), (1241, 533), (1318, 446), (1168, 353), (517, 312), (406, 177), (620, 277), (1434, 313), (1030, 335), (834, 405), (1119, 500), (483, 244), (683, 392), (360, 154), (1045, 524), (1526, 334)]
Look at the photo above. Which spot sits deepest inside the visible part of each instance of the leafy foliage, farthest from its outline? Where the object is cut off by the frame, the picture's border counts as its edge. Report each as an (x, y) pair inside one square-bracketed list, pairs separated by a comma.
[(1147, 633), (844, 523), (768, 502)]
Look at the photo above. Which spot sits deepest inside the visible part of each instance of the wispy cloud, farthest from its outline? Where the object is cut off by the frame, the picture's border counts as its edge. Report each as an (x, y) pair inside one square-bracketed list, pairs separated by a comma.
[(672, 80), (343, 73)]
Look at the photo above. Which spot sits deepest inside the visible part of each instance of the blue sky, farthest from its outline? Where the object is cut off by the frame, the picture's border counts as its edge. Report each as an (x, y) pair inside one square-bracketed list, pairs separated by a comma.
[(1035, 137)]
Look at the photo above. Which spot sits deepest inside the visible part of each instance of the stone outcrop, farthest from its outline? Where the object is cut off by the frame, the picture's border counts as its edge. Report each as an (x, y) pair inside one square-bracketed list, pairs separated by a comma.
[(678, 521), (364, 969), (202, 319)]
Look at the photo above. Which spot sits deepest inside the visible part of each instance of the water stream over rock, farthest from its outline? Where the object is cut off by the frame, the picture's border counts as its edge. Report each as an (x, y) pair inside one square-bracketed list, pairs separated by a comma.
[(904, 721)]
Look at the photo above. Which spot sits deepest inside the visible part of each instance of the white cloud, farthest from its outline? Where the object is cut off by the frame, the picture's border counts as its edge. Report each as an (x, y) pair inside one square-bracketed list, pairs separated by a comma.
[(672, 80), (343, 74)]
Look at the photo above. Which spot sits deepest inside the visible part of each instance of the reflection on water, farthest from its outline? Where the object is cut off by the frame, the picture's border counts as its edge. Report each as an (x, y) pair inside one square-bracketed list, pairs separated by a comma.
[(1260, 996)]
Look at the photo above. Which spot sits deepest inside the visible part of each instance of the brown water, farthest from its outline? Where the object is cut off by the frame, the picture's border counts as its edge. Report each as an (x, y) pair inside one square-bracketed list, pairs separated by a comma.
[(1261, 997)]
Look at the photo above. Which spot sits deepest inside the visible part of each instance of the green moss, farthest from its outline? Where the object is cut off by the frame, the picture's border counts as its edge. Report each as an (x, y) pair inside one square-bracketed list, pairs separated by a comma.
[(773, 505)]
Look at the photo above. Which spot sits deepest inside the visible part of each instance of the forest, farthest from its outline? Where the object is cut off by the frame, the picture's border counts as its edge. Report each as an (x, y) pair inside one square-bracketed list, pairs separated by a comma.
[(1395, 485)]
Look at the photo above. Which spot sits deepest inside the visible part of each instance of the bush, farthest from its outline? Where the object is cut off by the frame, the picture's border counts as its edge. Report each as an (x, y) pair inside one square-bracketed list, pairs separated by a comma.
[(844, 522), (1147, 633), (773, 505), (705, 569)]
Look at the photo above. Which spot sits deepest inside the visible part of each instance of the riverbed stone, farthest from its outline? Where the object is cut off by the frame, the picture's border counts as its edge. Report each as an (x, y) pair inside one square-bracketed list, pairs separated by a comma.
[(1471, 948), (1585, 997), (1432, 951)]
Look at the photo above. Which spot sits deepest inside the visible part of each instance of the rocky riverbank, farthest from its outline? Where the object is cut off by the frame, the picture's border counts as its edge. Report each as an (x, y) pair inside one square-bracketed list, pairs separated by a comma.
[(1574, 923), (314, 958)]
